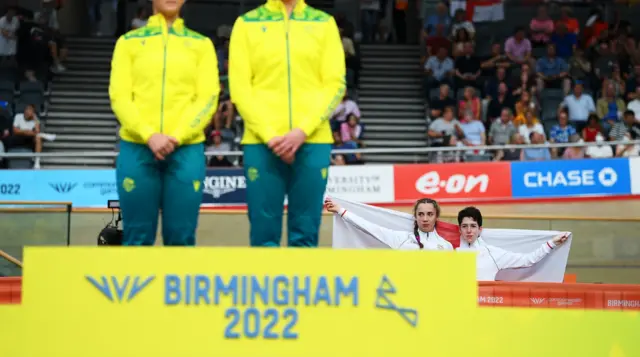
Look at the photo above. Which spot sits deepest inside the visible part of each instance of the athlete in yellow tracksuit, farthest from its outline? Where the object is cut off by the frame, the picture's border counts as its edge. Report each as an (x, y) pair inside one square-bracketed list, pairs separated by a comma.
[(164, 89), (286, 76)]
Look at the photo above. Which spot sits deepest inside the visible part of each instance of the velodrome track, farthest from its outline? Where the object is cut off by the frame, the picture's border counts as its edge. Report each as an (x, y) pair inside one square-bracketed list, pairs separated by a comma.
[(606, 247)]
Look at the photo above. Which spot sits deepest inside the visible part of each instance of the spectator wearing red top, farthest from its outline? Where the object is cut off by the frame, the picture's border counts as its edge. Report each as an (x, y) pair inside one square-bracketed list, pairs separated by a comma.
[(437, 41), (592, 129)]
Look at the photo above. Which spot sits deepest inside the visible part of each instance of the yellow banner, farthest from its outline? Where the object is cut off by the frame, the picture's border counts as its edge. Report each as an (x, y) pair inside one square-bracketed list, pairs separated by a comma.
[(237, 302)]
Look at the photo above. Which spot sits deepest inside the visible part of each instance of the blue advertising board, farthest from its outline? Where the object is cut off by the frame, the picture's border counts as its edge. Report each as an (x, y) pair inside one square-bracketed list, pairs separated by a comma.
[(84, 188), (566, 178), (93, 188), (224, 187)]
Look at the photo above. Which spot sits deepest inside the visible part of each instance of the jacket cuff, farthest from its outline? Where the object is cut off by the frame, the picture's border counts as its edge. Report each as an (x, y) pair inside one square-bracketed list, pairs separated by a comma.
[(550, 244), (342, 212)]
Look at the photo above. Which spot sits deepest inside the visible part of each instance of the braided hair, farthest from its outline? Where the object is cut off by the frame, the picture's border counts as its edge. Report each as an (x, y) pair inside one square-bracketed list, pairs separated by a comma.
[(415, 222)]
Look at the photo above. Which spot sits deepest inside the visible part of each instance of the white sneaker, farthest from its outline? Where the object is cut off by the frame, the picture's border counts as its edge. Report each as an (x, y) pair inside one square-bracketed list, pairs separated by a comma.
[(36, 165), (58, 68)]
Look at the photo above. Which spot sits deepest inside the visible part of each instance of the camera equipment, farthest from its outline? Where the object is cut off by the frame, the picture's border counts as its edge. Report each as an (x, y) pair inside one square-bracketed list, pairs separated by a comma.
[(111, 234)]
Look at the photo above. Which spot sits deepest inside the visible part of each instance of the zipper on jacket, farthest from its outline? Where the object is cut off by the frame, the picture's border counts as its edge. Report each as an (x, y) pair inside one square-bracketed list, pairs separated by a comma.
[(289, 73), (164, 75)]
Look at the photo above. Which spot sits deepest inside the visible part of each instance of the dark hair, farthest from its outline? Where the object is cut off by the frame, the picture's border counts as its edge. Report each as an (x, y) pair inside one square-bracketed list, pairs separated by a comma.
[(629, 112), (415, 209), (470, 212)]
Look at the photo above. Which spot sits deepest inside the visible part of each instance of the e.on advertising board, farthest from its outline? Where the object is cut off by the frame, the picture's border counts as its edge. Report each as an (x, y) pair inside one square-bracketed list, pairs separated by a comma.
[(454, 182)]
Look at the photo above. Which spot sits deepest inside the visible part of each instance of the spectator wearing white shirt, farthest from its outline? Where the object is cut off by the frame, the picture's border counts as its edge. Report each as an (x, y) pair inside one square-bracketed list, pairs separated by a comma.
[(26, 130), (634, 105), (491, 259), (460, 22), (9, 25), (601, 151), (579, 105), (345, 109)]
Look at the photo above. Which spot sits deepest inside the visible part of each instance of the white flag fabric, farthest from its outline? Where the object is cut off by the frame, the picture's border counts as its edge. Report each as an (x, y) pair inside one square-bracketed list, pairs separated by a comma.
[(480, 10), (551, 269)]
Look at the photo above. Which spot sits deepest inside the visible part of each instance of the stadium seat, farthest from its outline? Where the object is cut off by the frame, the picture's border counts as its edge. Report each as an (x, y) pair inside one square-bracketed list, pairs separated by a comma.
[(20, 163), (32, 93), (7, 91), (551, 93), (478, 158), (8, 74)]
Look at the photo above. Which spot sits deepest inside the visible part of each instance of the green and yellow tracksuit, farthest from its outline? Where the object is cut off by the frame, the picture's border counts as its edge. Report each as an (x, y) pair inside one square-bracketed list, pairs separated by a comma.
[(286, 72), (163, 80)]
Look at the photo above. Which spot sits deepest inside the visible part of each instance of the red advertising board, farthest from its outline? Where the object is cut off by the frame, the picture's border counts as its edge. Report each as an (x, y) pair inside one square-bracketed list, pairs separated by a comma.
[(452, 181)]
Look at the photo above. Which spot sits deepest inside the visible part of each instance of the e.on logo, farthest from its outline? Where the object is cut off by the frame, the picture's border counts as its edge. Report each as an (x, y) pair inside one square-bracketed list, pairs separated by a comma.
[(431, 183), (453, 181)]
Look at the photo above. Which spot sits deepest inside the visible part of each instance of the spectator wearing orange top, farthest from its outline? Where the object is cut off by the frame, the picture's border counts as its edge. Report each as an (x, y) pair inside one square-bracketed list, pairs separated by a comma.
[(571, 23), (400, 19), (595, 27), (525, 103)]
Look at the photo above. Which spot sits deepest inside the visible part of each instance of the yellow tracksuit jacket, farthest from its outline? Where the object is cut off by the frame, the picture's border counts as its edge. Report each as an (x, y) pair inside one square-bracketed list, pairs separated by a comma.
[(164, 80), (286, 72)]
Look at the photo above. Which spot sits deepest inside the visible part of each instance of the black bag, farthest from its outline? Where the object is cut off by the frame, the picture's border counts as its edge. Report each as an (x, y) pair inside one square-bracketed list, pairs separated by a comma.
[(110, 235)]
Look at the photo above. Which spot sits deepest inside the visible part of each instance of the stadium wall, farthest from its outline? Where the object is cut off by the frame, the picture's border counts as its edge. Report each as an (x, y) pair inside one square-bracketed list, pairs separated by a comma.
[(488, 182)]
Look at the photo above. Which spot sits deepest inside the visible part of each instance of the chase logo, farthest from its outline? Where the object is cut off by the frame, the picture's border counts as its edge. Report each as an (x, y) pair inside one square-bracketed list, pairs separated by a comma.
[(64, 187), (383, 301), (120, 290)]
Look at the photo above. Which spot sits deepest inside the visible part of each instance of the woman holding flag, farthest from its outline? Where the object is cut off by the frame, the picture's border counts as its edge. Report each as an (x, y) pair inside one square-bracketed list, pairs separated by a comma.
[(424, 235), (490, 259)]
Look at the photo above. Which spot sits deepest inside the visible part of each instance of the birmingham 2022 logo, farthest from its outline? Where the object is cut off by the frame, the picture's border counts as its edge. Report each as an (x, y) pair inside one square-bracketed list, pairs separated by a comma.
[(383, 301), (120, 290)]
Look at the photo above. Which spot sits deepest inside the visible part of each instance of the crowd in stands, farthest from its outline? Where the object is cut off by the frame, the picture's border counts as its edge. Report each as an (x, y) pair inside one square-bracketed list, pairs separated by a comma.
[(32, 50), (552, 81)]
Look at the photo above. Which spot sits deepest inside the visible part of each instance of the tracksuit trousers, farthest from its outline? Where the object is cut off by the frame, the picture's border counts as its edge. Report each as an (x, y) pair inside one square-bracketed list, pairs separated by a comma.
[(269, 180), (147, 185)]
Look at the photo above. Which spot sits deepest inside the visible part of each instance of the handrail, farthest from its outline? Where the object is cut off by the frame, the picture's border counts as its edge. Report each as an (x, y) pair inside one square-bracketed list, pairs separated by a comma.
[(11, 259), (407, 150)]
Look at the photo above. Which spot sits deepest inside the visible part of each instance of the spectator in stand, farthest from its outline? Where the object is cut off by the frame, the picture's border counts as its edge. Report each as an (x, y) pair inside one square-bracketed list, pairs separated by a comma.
[(511, 154), (574, 152), (630, 150), (48, 20), (438, 70), (600, 151), (9, 25), (352, 61), (569, 22), (369, 11), (218, 146), (501, 102), (443, 132), (338, 160), (467, 68), (526, 103), (561, 132), (604, 64), (541, 27), (443, 101), (609, 108), (634, 105), (142, 16), (492, 66), (222, 52), (525, 82), (349, 145), (351, 131), (460, 22), (518, 47), (491, 84), (595, 27), (461, 38), (617, 82), (441, 17), (6, 128), (531, 125), (224, 116), (633, 82), (535, 154), (579, 105), (345, 109), (470, 107), (592, 129), (437, 41), (474, 133), (580, 67), (26, 128), (627, 126), (502, 130), (566, 42), (553, 72)]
